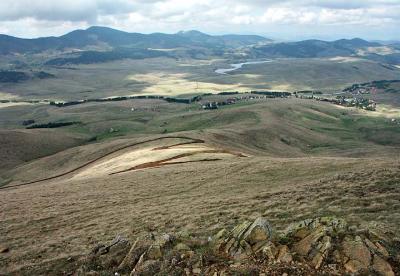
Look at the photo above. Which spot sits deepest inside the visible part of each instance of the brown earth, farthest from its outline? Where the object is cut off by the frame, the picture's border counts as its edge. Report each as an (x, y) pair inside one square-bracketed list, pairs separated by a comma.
[(67, 217), (298, 164)]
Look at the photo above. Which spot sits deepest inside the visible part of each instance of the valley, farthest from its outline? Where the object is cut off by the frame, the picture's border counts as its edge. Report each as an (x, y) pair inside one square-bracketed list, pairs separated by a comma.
[(114, 136)]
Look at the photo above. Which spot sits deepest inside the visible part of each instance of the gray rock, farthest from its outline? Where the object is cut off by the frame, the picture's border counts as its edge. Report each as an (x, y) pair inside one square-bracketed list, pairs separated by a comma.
[(259, 230)]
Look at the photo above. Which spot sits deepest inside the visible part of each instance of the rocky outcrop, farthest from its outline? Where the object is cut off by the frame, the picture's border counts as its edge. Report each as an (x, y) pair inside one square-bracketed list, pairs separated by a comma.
[(321, 246), (244, 240), (329, 241)]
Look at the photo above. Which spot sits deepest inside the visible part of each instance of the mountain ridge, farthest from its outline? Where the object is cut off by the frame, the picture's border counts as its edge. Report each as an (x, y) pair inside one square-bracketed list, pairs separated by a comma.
[(97, 35)]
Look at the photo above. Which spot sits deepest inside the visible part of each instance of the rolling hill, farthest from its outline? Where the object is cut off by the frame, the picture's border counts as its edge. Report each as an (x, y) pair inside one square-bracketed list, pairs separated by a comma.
[(314, 48), (101, 44), (110, 38), (283, 159)]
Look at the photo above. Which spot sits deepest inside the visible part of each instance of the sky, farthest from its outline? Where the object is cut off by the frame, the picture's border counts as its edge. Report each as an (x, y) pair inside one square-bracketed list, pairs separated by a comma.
[(277, 19)]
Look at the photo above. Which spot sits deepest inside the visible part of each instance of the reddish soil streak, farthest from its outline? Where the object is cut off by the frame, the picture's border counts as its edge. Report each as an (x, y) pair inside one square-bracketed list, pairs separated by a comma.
[(163, 162), (99, 158), (195, 141)]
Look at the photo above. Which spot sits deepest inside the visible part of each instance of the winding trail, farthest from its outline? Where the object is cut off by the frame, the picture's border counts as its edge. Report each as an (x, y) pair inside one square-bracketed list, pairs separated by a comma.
[(193, 141)]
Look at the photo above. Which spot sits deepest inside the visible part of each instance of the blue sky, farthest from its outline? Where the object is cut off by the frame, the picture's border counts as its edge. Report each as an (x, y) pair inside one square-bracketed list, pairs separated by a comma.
[(284, 19)]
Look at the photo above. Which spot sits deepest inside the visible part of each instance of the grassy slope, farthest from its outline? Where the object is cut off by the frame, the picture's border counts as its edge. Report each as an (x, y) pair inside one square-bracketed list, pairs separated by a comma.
[(274, 127), (69, 218), (299, 167), (21, 146), (170, 77)]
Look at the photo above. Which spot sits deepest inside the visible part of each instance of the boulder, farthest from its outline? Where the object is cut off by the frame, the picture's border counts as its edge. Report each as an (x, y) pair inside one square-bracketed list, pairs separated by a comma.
[(382, 267), (284, 255), (321, 252), (357, 252), (301, 233), (304, 246), (244, 240), (137, 250), (260, 230), (354, 266), (238, 232)]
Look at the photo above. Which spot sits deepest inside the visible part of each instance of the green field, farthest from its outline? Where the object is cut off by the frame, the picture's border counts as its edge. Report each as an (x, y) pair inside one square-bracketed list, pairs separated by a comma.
[(167, 76)]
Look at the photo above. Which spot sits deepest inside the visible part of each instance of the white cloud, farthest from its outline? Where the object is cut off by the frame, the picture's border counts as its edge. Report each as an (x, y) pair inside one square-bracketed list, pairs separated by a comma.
[(45, 17)]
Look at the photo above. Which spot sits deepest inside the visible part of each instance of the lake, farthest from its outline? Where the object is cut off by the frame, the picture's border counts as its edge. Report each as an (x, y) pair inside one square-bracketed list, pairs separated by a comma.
[(236, 66)]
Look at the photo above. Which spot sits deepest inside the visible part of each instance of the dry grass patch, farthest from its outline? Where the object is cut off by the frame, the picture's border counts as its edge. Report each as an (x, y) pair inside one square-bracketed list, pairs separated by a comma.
[(177, 84)]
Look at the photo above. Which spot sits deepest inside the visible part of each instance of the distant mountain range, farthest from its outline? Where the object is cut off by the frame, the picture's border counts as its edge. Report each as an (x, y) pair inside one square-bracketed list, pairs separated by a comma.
[(315, 48), (103, 36), (102, 44), (325, 49)]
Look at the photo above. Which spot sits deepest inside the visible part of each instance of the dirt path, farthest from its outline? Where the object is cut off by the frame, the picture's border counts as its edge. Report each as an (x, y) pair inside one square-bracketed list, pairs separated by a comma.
[(193, 141)]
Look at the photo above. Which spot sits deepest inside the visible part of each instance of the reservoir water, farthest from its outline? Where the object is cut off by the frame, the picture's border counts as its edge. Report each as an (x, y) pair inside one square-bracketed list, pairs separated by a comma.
[(237, 66)]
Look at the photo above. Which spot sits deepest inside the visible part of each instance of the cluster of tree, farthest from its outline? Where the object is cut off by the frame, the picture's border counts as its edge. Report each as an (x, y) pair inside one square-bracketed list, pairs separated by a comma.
[(19, 76), (113, 99), (273, 94), (308, 92), (13, 76), (19, 101), (380, 84), (383, 84), (28, 122), (185, 100), (53, 125), (228, 93), (270, 94), (179, 100)]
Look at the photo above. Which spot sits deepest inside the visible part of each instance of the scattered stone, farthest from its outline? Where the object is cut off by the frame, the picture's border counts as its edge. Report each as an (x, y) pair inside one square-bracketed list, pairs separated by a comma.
[(321, 246), (284, 255), (270, 251)]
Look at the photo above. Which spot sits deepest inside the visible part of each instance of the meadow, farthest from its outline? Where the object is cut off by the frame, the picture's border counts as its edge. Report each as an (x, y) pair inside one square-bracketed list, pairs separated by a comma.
[(167, 76)]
